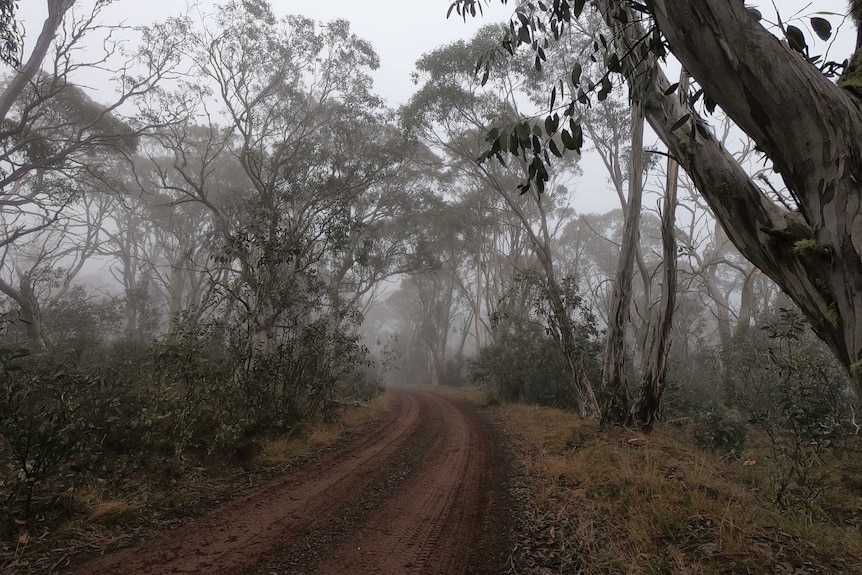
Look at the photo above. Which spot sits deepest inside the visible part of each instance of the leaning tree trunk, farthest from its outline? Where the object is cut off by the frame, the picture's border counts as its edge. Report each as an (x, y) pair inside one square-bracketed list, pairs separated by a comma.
[(810, 128), (588, 406), (616, 408), (655, 366), (30, 70)]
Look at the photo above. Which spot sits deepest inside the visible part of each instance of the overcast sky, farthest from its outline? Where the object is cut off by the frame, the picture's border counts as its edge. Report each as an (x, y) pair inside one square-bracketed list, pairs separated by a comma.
[(402, 30)]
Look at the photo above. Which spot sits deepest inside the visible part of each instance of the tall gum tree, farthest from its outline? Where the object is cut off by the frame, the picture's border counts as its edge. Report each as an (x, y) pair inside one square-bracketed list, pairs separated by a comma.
[(453, 109), (808, 127), (60, 149), (293, 96)]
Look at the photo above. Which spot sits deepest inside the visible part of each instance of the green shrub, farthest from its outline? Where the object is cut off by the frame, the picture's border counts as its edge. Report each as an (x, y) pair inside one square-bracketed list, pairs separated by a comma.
[(720, 432), (47, 429), (804, 419), (526, 365)]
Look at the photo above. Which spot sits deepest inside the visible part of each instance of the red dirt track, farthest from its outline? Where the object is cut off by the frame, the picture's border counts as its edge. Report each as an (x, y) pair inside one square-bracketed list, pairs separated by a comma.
[(423, 493)]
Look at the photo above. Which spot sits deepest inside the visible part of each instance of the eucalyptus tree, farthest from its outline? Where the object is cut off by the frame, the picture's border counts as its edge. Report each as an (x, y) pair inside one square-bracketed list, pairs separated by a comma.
[(182, 260), (730, 287), (37, 273), (432, 303), (807, 125), (303, 137), (615, 130), (501, 252), (385, 213), (163, 254), (453, 110), (182, 254), (430, 312), (59, 146)]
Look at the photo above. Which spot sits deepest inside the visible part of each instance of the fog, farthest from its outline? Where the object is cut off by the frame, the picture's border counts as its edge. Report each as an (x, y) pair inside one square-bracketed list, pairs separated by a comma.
[(232, 220)]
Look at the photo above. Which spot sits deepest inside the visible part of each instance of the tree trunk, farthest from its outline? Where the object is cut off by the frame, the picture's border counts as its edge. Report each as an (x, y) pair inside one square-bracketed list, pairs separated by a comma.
[(28, 72), (746, 307), (616, 408), (655, 367), (477, 314), (436, 367), (810, 129), (29, 310), (588, 405), (31, 315)]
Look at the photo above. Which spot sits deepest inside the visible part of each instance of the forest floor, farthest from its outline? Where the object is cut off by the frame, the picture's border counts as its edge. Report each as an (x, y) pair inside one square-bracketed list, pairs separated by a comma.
[(447, 482), (599, 501)]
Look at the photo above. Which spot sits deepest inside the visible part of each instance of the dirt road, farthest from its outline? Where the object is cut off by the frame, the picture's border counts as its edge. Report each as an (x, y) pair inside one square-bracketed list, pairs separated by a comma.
[(423, 493)]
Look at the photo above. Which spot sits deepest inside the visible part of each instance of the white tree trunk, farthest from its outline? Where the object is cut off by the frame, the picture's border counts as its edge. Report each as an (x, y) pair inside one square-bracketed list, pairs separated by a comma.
[(810, 129), (614, 383)]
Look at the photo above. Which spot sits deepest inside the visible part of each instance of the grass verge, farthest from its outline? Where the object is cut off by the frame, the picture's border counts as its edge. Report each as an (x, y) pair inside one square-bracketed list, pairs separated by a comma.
[(599, 501)]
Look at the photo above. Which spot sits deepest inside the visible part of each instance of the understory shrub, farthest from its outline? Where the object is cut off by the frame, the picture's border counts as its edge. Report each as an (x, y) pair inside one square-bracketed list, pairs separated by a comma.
[(119, 408), (525, 365), (781, 383), (720, 432), (526, 361), (50, 428), (805, 419)]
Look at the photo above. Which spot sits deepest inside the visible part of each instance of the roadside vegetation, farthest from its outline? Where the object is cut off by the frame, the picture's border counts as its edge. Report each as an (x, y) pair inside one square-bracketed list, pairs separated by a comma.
[(88, 503), (227, 263), (756, 468), (603, 501)]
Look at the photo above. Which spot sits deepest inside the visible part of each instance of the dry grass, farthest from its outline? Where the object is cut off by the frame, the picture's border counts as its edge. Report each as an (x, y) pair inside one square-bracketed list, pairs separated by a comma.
[(615, 501), (116, 512), (363, 414), (469, 394), (281, 450), (308, 439)]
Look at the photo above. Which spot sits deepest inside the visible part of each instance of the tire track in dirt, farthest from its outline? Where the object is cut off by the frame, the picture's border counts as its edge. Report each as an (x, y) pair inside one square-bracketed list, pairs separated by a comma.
[(442, 515), (445, 519), (235, 535)]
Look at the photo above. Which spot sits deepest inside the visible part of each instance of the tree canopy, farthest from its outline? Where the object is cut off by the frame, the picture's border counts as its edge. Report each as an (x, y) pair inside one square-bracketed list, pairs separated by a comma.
[(784, 100)]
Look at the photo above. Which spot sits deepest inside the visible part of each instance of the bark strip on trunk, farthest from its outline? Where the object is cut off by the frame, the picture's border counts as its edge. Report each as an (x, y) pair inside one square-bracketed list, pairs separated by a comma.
[(616, 408), (655, 367), (811, 130)]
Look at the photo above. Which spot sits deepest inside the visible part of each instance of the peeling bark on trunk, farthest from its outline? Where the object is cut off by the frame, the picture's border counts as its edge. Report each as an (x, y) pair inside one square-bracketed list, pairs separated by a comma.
[(655, 367), (616, 408), (811, 130)]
